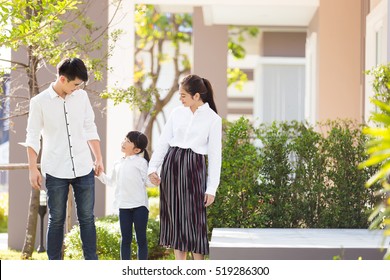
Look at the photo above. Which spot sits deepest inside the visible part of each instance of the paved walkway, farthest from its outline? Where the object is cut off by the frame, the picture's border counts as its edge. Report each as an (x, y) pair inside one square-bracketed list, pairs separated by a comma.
[(288, 244), (3, 241)]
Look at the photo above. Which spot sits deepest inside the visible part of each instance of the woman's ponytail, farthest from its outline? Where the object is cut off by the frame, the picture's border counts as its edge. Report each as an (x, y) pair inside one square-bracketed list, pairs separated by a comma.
[(210, 95), (194, 84)]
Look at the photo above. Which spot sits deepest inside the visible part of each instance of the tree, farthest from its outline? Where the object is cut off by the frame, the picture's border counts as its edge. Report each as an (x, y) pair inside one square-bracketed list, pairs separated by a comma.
[(154, 31), (379, 146), (47, 30), (156, 35)]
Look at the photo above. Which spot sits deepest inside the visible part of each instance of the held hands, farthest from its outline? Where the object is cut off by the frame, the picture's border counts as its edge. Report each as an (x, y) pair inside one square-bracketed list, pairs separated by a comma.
[(98, 167), (154, 178)]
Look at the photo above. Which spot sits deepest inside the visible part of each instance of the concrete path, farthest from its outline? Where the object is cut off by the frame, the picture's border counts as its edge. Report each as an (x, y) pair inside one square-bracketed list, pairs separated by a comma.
[(3, 241), (298, 244)]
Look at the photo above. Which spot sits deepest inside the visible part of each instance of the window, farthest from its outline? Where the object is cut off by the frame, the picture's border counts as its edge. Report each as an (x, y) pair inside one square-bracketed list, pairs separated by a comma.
[(281, 89), (376, 38)]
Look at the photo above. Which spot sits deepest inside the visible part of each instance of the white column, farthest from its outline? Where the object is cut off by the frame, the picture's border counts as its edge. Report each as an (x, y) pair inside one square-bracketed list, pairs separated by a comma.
[(121, 61), (377, 50), (311, 79)]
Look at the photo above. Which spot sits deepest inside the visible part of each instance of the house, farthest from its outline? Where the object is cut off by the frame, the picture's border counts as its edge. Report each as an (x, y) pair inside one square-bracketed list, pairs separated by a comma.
[(307, 64)]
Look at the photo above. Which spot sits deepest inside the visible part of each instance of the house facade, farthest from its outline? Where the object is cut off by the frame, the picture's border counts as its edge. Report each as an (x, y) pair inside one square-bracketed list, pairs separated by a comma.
[(307, 63)]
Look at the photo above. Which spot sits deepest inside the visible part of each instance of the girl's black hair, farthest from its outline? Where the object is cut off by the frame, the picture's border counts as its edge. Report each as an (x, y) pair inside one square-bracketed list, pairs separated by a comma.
[(140, 141), (73, 68), (194, 84)]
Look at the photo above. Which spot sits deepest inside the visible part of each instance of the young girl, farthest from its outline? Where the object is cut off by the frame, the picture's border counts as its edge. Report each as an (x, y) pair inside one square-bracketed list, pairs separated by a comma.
[(192, 131), (129, 176)]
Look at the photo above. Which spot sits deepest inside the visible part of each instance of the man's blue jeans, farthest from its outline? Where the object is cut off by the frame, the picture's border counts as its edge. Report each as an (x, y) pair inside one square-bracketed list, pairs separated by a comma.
[(84, 194)]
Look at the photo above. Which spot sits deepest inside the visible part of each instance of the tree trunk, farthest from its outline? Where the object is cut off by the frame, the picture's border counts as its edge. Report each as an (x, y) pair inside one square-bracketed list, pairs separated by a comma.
[(32, 220), (149, 134)]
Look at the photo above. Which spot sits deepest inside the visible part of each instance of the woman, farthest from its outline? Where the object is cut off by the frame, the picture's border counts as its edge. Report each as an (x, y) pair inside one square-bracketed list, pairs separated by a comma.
[(186, 187)]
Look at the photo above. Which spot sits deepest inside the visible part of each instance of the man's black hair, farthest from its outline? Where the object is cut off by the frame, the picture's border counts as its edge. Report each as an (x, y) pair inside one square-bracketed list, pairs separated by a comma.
[(73, 68)]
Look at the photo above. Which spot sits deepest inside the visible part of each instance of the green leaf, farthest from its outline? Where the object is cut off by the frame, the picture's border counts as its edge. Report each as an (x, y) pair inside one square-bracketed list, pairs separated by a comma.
[(379, 175)]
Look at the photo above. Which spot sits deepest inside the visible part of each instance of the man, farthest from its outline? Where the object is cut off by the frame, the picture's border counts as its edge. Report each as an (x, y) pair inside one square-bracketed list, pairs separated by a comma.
[(62, 114)]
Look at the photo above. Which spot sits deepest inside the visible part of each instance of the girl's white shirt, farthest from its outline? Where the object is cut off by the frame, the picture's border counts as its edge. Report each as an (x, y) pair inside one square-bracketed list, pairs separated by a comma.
[(201, 132), (129, 177)]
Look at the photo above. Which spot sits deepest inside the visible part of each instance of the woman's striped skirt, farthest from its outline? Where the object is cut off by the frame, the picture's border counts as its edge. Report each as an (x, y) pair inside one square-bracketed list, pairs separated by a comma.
[(183, 224)]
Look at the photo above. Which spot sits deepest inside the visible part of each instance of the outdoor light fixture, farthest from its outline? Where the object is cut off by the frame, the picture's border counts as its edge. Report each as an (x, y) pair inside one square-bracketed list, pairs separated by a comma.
[(42, 211)]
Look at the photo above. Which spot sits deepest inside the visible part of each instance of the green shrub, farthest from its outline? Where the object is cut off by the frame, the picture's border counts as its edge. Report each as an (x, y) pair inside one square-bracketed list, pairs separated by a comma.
[(237, 202), (347, 199), (108, 240), (3, 212), (154, 208), (380, 83), (275, 174), (308, 167), (291, 174), (155, 251), (153, 191)]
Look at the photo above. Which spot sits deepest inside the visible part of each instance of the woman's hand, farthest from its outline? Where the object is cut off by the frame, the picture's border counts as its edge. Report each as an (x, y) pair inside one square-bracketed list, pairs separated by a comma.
[(208, 199), (154, 178)]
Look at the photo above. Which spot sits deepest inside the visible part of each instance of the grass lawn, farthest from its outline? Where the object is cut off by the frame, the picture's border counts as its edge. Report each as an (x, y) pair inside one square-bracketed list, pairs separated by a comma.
[(16, 255)]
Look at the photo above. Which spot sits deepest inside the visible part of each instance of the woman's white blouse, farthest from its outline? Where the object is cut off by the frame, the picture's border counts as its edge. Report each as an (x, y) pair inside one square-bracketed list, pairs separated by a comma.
[(129, 178), (201, 132)]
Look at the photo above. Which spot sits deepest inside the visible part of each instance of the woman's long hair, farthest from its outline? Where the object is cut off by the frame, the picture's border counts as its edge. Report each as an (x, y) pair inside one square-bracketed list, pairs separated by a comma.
[(194, 84)]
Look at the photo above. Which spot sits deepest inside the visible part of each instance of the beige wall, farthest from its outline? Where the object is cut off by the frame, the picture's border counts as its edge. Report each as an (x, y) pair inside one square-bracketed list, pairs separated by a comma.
[(274, 44), (340, 66), (210, 45), (19, 187)]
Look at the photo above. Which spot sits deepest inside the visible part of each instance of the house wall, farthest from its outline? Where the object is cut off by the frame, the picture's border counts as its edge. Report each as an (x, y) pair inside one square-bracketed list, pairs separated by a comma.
[(274, 44), (18, 182), (210, 45), (340, 69)]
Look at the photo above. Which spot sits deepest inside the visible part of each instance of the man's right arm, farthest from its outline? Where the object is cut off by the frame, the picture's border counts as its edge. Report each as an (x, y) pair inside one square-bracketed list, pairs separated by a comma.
[(34, 127), (35, 176)]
